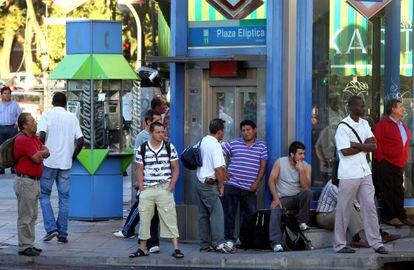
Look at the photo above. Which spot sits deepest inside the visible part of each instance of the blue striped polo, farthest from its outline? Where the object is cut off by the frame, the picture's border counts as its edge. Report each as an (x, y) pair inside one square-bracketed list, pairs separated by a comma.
[(245, 161)]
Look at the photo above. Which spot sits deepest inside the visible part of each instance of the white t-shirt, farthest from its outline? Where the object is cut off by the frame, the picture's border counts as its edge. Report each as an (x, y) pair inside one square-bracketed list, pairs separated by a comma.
[(212, 156), (127, 106), (157, 169), (62, 129), (354, 166)]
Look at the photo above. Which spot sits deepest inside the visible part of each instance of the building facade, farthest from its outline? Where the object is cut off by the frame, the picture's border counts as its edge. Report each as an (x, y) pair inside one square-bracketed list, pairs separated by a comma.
[(291, 67)]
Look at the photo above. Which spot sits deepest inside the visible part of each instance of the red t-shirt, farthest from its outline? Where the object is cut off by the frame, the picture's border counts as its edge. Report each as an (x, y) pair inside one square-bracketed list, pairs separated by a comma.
[(24, 148)]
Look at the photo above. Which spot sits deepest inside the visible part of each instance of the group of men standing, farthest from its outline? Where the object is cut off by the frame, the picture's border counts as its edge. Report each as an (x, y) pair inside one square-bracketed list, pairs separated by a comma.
[(44, 155)]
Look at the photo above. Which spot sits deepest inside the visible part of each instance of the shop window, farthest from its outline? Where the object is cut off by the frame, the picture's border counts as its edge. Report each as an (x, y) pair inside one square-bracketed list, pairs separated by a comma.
[(343, 55)]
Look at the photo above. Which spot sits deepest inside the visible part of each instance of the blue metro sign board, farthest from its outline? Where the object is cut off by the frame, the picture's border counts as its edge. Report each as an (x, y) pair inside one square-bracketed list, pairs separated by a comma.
[(228, 34)]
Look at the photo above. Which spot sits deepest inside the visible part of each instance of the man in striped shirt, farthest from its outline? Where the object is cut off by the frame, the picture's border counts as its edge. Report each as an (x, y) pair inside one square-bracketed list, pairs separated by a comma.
[(247, 168), (9, 113)]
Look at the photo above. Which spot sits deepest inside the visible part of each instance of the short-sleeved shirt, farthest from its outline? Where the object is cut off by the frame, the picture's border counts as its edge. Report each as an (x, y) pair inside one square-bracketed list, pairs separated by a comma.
[(353, 166), (142, 137), (62, 129), (9, 113), (212, 157), (157, 169), (328, 198), (288, 182), (245, 162), (24, 148)]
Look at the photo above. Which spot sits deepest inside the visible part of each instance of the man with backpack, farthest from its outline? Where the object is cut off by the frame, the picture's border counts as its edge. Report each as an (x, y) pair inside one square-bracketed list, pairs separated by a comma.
[(9, 112), (128, 230), (157, 174), (246, 170), (354, 139), (210, 187), (289, 184)]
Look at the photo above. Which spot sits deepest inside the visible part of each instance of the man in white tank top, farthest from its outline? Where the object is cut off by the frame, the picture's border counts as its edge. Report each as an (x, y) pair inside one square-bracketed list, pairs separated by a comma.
[(289, 184)]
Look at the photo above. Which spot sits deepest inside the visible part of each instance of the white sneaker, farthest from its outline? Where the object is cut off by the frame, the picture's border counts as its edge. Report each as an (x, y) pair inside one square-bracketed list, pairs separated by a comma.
[(154, 249), (303, 226), (278, 248), (229, 244), (119, 234), (223, 248)]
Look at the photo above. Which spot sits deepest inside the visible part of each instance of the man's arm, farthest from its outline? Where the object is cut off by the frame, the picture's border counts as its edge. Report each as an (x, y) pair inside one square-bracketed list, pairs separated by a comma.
[(368, 146), (79, 144), (274, 175), (175, 167), (139, 182), (260, 175), (221, 176), (304, 175)]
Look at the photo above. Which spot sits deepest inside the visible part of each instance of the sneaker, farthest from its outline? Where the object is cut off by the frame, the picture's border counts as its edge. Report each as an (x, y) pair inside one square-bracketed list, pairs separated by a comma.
[(346, 250), (119, 234), (278, 248), (223, 248), (303, 226), (154, 249), (50, 235), (62, 240), (381, 250), (230, 244)]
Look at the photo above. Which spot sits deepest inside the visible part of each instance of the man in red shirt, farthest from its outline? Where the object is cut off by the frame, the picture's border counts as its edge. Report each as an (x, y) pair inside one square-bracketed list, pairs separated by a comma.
[(29, 153), (393, 142)]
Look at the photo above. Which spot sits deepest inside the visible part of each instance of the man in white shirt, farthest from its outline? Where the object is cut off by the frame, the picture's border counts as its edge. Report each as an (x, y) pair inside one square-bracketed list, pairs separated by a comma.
[(62, 135), (210, 187), (355, 179)]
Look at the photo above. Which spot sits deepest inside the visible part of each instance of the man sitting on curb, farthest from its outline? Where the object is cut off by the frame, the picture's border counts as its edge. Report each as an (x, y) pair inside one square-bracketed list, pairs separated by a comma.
[(157, 174), (289, 183)]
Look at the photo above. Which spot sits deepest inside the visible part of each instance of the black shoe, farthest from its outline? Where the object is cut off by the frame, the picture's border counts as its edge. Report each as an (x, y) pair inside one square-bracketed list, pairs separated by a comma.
[(37, 249), (50, 235), (30, 252), (381, 250), (346, 250), (62, 240)]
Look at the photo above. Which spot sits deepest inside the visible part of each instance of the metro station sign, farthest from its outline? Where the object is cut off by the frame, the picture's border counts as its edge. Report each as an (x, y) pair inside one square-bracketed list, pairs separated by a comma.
[(368, 8), (235, 9)]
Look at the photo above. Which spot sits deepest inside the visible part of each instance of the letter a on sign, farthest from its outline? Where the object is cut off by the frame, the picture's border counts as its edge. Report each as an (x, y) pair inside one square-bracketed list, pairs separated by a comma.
[(368, 8)]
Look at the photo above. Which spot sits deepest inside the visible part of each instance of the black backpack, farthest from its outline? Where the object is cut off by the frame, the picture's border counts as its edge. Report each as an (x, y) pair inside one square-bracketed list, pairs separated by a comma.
[(191, 156), (143, 150), (7, 159), (292, 237)]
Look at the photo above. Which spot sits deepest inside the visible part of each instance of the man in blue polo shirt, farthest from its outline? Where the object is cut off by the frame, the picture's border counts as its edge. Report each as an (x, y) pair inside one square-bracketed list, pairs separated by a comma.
[(9, 113), (247, 168)]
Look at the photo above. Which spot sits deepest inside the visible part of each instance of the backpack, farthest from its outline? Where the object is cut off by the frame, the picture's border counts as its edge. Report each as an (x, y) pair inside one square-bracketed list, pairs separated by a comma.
[(254, 231), (191, 156), (7, 159), (335, 163), (143, 149), (292, 237)]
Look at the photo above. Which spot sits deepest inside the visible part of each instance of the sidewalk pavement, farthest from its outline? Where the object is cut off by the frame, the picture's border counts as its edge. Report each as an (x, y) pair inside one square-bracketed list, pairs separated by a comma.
[(91, 244)]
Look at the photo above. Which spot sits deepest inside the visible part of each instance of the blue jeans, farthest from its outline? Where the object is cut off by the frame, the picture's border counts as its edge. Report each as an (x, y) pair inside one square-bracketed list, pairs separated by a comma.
[(62, 178)]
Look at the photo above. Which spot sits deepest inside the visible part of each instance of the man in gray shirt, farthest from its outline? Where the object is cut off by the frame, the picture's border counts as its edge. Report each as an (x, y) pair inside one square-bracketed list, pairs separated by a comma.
[(289, 184), (128, 231)]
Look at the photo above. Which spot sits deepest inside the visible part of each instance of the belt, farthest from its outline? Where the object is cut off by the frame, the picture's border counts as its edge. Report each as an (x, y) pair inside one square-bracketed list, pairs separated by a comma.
[(28, 176), (210, 181)]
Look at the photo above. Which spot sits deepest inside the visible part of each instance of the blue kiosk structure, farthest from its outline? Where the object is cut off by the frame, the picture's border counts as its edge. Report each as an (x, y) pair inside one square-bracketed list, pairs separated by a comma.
[(97, 77)]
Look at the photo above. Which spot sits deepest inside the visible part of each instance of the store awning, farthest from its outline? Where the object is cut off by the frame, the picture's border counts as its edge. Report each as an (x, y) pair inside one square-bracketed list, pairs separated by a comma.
[(93, 67), (188, 59)]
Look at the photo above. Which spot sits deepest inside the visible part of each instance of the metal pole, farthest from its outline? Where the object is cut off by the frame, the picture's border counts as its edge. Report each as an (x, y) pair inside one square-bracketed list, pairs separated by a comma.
[(139, 34)]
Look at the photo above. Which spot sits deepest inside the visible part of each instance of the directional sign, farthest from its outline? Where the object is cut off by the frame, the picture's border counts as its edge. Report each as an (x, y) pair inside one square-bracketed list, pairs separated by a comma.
[(368, 8)]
